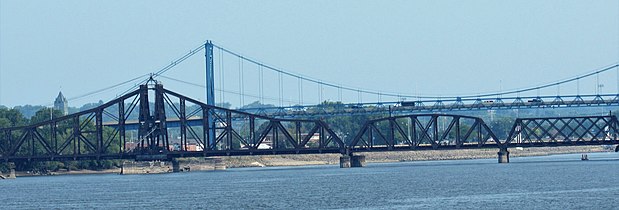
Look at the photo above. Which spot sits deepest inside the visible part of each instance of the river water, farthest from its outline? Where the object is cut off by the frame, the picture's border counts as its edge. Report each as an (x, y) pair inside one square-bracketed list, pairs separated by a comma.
[(549, 182)]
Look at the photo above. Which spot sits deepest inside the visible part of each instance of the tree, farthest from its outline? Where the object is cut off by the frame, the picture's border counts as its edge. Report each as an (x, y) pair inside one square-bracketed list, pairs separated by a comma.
[(45, 114), (11, 118), (257, 104)]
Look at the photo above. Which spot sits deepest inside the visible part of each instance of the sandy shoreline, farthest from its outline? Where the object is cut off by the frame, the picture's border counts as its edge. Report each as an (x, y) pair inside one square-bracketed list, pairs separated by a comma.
[(199, 164)]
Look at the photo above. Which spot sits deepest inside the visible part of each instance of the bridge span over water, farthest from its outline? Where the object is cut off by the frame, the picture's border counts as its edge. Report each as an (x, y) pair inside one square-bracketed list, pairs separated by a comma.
[(226, 132)]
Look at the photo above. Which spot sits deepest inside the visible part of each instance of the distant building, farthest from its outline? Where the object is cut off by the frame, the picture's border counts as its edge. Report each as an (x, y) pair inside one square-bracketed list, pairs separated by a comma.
[(61, 104)]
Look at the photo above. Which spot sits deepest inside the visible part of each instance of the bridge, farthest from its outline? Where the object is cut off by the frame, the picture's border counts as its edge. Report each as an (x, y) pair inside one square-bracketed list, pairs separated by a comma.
[(227, 132), (168, 123)]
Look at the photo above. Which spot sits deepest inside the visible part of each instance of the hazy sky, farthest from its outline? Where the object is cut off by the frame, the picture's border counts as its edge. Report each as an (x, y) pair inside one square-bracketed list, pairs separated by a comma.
[(415, 47)]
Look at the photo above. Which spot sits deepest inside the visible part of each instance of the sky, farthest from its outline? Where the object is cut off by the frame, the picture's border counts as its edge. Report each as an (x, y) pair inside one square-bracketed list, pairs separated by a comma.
[(437, 48)]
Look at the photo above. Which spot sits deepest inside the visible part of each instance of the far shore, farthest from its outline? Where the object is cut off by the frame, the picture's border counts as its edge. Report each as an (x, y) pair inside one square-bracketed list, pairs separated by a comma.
[(198, 164)]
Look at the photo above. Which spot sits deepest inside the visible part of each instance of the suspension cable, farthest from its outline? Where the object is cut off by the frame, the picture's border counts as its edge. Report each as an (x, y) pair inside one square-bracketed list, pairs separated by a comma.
[(226, 91), (109, 88), (320, 82)]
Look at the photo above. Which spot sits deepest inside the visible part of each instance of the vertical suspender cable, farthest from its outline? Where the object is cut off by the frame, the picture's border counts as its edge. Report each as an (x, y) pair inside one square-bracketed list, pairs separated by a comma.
[(578, 87), (240, 84), (243, 82), (280, 89), (299, 89), (320, 92), (597, 84), (359, 99), (261, 85)]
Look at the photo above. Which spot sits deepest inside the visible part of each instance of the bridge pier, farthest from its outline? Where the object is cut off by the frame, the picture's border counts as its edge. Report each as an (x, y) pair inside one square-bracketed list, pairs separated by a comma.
[(617, 148), (348, 161), (503, 155), (345, 161), (176, 166), (357, 161), (11, 175)]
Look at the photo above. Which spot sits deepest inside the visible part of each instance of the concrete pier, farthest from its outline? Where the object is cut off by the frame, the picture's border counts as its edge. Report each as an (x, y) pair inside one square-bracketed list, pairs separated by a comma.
[(11, 171), (12, 174), (345, 161), (503, 155), (352, 161), (176, 166), (357, 161), (617, 148)]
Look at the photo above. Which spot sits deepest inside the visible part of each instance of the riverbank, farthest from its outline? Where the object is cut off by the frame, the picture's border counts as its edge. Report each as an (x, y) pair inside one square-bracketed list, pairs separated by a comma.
[(199, 164), (402, 156)]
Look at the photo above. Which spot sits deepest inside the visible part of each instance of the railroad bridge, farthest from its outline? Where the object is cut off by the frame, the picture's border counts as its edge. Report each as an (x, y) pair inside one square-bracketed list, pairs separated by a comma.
[(150, 122), (104, 132)]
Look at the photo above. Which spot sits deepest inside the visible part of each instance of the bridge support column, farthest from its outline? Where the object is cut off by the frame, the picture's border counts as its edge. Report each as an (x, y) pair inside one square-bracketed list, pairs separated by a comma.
[(617, 148), (176, 166), (357, 161), (11, 171), (503, 155), (354, 161), (345, 161)]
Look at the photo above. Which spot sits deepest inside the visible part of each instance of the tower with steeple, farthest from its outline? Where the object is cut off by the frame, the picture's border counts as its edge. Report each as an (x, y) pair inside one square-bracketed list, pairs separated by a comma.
[(61, 103)]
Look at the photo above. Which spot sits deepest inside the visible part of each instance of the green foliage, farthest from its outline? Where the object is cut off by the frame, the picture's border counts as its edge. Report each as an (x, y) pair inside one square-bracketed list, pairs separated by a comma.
[(257, 104), (11, 118), (28, 110), (501, 126), (45, 114)]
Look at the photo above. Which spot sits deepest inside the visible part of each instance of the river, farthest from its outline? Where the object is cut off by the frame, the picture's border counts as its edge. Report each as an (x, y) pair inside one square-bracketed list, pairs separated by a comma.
[(547, 182)]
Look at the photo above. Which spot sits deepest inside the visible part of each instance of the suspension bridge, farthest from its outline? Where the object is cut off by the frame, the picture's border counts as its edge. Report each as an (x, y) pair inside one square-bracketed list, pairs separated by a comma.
[(150, 122)]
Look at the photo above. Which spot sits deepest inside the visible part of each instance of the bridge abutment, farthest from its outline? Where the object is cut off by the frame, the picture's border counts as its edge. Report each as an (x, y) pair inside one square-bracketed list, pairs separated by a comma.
[(503, 155)]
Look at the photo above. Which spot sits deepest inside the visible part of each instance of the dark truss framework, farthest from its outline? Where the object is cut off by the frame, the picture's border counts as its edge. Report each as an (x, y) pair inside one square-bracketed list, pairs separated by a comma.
[(424, 131), (85, 136), (560, 131), (104, 132)]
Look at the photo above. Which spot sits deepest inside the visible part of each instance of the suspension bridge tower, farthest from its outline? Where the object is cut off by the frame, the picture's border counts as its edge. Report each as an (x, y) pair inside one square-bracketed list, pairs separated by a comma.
[(210, 90)]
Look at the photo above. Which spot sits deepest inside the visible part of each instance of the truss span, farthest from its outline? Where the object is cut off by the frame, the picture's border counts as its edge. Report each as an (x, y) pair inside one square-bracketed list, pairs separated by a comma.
[(424, 131), (220, 131), (564, 131)]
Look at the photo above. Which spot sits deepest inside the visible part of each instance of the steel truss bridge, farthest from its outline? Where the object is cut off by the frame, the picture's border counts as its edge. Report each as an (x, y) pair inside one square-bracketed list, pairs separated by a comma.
[(444, 105), (226, 132)]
